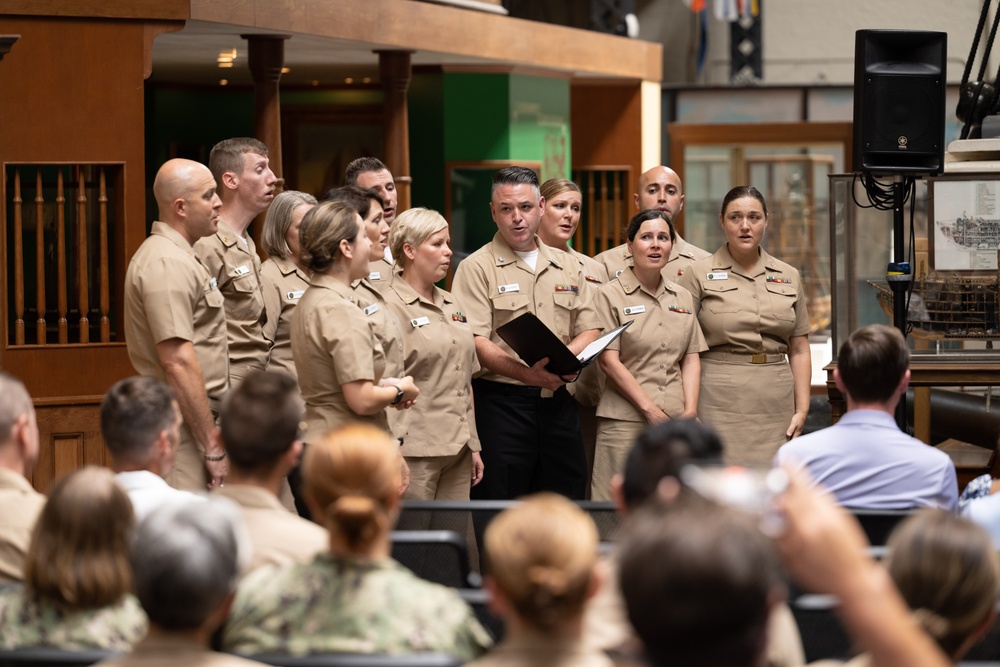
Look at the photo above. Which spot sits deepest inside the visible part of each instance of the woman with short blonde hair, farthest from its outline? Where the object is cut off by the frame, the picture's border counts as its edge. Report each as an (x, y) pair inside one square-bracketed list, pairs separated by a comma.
[(541, 558), (442, 444), (355, 597), (76, 593)]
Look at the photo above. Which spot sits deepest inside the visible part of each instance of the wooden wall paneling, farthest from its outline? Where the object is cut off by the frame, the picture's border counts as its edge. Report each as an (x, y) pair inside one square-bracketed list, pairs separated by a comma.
[(69, 438)]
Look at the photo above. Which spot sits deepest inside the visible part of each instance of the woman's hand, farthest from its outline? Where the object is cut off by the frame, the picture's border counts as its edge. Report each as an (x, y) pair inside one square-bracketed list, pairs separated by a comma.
[(477, 468), (655, 415), (795, 427)]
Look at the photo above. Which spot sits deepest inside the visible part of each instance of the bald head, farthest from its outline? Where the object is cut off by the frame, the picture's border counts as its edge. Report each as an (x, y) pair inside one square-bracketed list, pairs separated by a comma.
[(660, 189), (18, 428), (186, 198)]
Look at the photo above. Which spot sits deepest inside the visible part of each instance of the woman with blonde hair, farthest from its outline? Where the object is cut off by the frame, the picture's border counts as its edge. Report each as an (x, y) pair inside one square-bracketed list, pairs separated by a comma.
[(283, 275), (355, 597), (442, 446), (77, 575), (541, 558)]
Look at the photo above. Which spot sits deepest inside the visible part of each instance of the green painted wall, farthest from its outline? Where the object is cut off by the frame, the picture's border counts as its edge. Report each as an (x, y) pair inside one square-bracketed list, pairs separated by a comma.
[(426, 114)]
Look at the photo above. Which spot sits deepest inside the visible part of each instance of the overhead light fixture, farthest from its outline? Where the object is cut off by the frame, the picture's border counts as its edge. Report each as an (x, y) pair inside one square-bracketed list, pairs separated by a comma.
[(367, 79), (226, 58), (349, 80), (315, 82), (286, 70), (223, 82)]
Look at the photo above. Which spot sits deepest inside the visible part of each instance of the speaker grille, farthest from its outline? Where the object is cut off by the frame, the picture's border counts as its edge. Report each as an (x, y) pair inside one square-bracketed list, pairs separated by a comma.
[(902, 114)]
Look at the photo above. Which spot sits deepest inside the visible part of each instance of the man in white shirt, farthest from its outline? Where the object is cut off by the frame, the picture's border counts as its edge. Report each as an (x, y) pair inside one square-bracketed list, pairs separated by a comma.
[(141, 423)]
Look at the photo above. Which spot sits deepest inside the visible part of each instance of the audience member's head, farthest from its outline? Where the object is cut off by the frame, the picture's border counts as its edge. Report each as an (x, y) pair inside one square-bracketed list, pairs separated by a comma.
[(280, 234), (873, 364), (79, 549), (351, 479), (18, 428), (699, 582), (541, 555), (660, 452), (187, 558), (635, 224), (947, 570), (141, 422), (259, 424)]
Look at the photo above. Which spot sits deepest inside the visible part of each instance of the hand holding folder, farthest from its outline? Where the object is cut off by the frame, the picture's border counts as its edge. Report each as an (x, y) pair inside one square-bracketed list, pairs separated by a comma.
[(532, 340)]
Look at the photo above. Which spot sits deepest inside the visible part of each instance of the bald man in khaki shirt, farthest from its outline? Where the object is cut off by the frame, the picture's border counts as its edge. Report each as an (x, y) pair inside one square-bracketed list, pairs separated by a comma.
[(659, 189), (18, 452), (175, 327), (246, 188)]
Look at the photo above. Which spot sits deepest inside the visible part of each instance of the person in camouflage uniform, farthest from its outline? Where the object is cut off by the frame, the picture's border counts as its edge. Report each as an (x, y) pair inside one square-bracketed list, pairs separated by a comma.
[(77, 574), (354, 598)]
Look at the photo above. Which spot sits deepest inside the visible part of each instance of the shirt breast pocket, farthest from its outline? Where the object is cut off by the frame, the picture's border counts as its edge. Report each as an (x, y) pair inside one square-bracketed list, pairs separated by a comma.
[(512, 303), (783, 298), (721, 297), (214, 298)]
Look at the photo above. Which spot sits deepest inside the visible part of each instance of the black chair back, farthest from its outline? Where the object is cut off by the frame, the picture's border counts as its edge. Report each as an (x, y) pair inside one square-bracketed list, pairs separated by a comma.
[(479, 600), (358, 660), (879, 524), (823, 636), (440, 556), (52, 657)]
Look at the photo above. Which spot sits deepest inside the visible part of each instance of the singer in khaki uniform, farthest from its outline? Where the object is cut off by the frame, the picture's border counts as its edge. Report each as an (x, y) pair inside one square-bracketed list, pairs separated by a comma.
[(442, 447), (528, 423), (284, 277), (246, 187), (175, 327), (752, 310), (658, 189)]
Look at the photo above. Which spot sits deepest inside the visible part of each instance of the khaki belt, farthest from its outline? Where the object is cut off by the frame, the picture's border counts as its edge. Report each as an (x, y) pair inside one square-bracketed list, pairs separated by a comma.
[(732, 357)]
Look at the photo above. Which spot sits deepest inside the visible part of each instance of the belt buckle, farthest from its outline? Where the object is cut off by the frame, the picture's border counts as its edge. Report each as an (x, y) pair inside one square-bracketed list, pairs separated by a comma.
[(758, 358)]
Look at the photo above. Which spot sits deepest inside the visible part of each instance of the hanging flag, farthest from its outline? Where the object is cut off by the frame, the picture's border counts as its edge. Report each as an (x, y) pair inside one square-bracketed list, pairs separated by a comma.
[(702, 37)]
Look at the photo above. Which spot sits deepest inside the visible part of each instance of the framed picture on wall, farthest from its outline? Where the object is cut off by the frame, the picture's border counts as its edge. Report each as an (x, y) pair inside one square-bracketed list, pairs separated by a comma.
[(966, 224)]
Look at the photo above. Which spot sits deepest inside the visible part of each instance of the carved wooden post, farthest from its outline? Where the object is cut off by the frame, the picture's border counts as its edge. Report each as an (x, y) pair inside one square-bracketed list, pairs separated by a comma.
[(266, 58), (395, 71)]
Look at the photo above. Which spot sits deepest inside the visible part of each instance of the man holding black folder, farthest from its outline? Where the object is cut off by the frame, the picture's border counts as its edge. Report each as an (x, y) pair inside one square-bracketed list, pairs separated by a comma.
[(528, 423)]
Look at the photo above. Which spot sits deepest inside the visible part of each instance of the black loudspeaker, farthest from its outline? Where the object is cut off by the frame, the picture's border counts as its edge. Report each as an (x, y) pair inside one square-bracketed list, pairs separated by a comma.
[(899, 85)]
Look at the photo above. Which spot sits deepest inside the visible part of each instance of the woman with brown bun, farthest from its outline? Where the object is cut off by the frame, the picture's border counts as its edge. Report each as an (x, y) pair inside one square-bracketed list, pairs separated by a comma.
[(76, 593), (339, 365), (541, 557), (283, 275), (560, 219), (752, 310), (442, 446), (354, 598)]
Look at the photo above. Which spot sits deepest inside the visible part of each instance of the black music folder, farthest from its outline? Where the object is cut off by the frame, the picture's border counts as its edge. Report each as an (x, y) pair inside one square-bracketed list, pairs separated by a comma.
[(532, 340)]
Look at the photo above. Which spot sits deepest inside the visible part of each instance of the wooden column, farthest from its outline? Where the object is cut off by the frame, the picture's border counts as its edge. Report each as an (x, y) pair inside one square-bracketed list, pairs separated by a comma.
[(266, 58), (395, 72)]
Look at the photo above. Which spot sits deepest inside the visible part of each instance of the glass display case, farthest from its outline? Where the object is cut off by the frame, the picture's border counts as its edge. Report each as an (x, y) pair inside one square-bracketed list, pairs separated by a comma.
[(952, 313)]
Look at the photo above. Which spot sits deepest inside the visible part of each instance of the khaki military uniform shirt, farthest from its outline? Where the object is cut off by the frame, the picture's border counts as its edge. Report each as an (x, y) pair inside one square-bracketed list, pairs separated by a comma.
[(495, 286), (682, 255), (380, 273), (389, 339), (278, 536), (283, 284), (172, 651), (337, 603), (29, 621), (21, 506), (747, 312), (333, 344), (236, 267), (664, 329), (440, 354), (170, 294)]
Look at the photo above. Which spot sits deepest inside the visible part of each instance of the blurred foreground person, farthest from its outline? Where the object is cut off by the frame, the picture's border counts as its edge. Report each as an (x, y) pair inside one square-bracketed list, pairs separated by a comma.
[(354, 597), (542, 557), (77, 575), (187, 558)]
